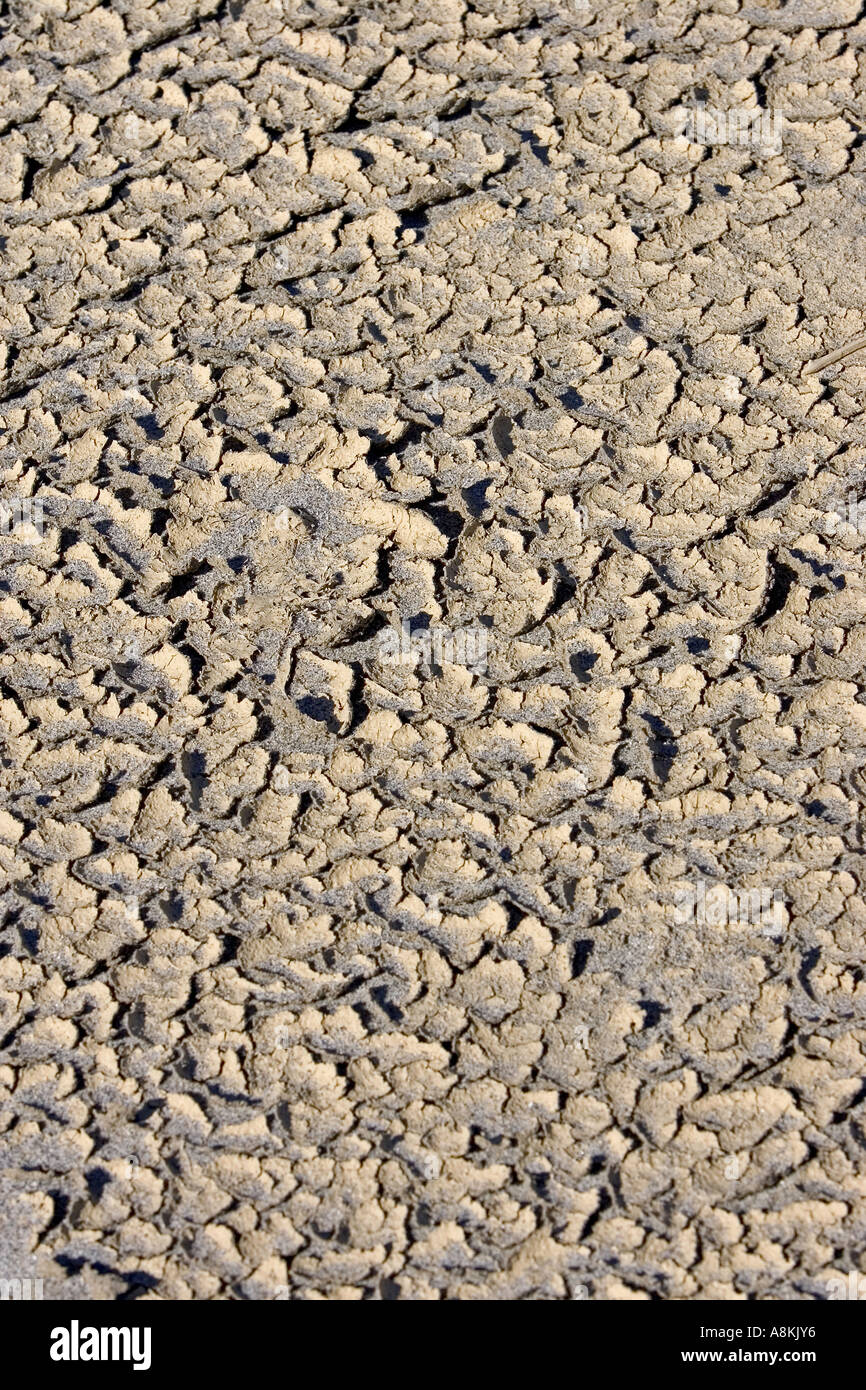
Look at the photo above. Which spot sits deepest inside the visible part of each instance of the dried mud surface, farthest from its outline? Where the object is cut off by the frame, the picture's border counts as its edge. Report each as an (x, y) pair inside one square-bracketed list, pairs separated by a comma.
[(328, 977)]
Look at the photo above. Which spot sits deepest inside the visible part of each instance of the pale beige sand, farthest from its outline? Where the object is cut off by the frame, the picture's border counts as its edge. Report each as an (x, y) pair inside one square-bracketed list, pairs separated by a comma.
[(328, 975)]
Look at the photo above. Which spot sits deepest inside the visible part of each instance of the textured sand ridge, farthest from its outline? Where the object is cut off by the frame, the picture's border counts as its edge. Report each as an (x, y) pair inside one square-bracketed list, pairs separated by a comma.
[(433, 624)]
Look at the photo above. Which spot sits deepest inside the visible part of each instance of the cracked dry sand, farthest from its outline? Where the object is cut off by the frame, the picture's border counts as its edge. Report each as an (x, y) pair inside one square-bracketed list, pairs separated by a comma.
[(331, 976)]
